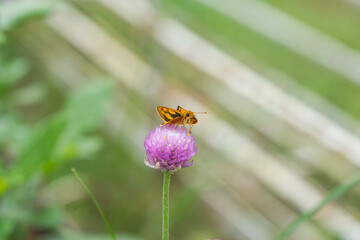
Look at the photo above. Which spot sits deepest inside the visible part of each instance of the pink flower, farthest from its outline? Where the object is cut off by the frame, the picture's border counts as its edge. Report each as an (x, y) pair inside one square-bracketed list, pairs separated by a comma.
[(169, 148)]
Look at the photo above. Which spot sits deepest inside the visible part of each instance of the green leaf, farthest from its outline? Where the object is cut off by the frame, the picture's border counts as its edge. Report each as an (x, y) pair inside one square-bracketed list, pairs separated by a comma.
[(86, 107), (84, 111), (6, 227), (11, 72), (49, 217), (3, 185), (39, 149), (2, 38), (17, 206), (87, 147), (14, 13), (60, 138), (331, 196), (12, 132)]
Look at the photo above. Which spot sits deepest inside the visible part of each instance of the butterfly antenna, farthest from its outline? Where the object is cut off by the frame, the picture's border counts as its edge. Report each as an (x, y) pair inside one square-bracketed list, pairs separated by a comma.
[(200, 112)]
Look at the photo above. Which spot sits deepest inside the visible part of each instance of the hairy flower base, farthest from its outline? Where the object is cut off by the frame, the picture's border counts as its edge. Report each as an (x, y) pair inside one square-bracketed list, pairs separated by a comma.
[(169, 148)]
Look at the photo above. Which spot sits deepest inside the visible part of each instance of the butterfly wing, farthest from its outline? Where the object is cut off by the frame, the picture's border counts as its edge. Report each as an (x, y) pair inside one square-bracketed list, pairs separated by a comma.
[(169, 115), (178, 120), (181, 110)]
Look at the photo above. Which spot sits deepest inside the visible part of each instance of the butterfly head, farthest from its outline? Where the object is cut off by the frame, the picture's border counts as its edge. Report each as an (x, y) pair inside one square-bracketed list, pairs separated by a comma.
[(188, 117)]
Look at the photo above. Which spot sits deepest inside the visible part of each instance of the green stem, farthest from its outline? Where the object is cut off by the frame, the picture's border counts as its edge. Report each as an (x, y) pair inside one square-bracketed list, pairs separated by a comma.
[(96, 203), (331, 196), (165, 210)]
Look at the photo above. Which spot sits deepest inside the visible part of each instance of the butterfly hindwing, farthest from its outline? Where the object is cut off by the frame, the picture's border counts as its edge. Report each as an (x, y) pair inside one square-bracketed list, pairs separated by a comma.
[(178, 120)]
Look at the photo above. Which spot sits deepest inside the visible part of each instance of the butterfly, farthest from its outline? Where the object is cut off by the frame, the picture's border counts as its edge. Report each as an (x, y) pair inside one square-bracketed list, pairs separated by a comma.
[(178, 116)]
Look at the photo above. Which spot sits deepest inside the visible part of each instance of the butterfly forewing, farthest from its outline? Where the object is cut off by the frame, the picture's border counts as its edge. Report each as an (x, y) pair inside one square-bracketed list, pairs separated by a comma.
[(169, 114)]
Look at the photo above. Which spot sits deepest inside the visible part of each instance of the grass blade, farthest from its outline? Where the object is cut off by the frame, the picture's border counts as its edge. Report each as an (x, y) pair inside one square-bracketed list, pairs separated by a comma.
[(96, 204), (331, 196)]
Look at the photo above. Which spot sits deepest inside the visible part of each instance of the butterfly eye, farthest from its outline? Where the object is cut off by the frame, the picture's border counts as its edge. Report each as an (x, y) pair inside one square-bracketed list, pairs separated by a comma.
[(187, 115)]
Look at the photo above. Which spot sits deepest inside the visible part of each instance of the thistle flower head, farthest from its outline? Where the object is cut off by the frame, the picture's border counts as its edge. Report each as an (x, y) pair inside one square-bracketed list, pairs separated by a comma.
[(169, 148)]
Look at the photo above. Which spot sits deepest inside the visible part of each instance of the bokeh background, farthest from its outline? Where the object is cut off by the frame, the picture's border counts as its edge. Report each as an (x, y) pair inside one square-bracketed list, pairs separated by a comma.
[(79, 84)]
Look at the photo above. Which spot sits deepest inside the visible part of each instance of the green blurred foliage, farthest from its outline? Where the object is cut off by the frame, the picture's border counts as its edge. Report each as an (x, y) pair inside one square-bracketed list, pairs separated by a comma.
[(15, 13), (29, 152), (37, 150), (60, 138)]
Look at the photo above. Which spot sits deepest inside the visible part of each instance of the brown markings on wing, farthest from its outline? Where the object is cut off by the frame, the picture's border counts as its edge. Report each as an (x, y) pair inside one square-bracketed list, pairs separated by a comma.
[(182, 111), (168, 114), (178, 120)]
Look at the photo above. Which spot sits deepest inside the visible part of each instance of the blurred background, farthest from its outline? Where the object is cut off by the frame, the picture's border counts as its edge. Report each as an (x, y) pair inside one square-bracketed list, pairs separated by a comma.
[(79, 84)]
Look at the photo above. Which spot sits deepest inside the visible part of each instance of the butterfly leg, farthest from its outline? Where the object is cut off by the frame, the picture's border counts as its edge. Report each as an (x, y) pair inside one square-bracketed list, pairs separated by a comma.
[(190, 128), (183, 126)]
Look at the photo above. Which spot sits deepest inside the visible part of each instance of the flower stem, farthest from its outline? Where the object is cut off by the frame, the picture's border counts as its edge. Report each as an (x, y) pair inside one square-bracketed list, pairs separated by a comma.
[(165, 209)]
